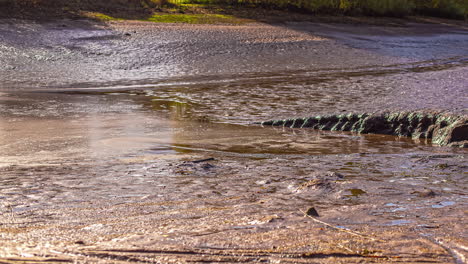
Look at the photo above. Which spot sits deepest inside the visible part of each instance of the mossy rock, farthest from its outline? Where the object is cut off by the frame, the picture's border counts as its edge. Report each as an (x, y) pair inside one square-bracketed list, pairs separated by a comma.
[(443, 129)]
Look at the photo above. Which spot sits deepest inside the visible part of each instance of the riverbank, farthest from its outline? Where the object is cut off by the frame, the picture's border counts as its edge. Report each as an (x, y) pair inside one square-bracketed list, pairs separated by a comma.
[(199, 12)]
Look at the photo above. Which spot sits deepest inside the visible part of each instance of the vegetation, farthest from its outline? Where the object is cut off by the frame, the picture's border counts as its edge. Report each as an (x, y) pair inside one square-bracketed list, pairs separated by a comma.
[(179, 18), (194, 18), (443, 8)]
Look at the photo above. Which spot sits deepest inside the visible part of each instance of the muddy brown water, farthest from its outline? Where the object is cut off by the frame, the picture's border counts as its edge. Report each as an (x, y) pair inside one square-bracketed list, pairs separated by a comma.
[(133, 142)]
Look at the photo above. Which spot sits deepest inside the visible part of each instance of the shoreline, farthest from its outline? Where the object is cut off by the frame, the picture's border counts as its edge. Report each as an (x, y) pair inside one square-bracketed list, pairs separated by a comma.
[(208, 14)]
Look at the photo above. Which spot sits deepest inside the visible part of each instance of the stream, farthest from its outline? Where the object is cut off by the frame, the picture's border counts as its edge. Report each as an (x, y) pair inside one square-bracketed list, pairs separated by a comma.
[(130, 140)]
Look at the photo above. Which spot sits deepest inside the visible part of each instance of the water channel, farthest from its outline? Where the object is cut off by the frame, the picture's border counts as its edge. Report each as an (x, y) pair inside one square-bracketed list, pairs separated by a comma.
[(140, 135)]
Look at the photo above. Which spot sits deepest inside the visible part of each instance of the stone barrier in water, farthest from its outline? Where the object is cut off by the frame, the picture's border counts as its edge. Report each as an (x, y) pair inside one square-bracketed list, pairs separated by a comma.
[(443, 129)]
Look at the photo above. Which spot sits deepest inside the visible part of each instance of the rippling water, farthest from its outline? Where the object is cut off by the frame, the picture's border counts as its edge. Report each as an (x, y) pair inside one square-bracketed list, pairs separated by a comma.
[(89, 115), (196, 89)]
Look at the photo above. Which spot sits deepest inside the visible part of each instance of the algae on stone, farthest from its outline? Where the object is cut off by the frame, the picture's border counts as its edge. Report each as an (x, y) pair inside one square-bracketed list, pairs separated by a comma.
[(443, 129)]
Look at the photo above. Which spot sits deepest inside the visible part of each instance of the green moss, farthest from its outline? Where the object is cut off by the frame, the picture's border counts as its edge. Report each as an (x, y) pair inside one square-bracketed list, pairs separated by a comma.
[(442, 129), (102, 17), (442, 166), (356, 192), (195, 19), (306, 121), (443, 8), (178, 18)]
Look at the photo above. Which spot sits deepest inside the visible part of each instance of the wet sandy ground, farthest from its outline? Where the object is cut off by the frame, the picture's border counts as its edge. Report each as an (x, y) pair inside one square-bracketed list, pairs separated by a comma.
[(100, 126)]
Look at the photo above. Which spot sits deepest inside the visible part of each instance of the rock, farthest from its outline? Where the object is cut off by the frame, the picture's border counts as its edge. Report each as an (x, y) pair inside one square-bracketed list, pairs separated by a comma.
[(207, 166), (323, 182), (456, 132), (263, 182), (459, 144), (312, 212), (335, 175), (426, 193), (443, 129)]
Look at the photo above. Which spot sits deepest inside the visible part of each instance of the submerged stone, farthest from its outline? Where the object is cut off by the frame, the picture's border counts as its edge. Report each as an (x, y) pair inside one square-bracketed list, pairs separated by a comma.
[(312, 212), (443, 129)]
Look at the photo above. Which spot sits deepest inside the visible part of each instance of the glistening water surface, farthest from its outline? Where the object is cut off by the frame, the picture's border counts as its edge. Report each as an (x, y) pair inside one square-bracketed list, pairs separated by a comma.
[(126, 139), (44, 128)]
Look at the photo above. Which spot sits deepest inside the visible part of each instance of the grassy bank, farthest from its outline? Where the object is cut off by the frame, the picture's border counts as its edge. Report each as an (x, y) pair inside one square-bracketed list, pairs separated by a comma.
[(197, 9), (442, 8)]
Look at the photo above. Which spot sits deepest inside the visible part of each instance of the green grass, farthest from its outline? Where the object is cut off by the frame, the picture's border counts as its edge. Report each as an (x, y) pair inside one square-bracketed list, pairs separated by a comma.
[(178, 18), (195, 11), (102, 17), (195, 19), (442, 8)]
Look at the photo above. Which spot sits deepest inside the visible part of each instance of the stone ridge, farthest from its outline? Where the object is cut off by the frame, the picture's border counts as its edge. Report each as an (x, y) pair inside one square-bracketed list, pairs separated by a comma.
[(443, 129)]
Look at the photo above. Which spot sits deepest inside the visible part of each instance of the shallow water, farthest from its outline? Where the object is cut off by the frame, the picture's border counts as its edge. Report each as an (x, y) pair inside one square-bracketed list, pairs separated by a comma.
[(50, 128), (103, 120)]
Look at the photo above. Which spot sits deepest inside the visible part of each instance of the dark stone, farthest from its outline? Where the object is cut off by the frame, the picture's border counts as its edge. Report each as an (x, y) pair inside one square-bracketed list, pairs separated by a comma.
[(443, 129), (373, 124), (288, 122), (203, 160), (458, 133), (336, 174), (346, 126), (312, 212), (298, 123), (443, 124), (459, 144), (430, 131), (310, 122), (278, 123), (207, 166), (327, 126), (427, 193)]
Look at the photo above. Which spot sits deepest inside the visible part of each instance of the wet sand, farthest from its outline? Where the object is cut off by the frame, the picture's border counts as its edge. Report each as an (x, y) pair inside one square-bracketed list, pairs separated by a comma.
[(100, 126)]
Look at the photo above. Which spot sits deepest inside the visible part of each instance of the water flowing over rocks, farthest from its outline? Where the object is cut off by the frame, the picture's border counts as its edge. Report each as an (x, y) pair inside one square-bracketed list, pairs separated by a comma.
[(443, 129)]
